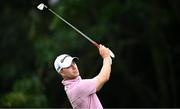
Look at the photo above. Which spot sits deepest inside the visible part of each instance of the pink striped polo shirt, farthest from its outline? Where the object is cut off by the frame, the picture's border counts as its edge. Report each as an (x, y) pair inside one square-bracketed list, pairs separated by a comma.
[(82, 93)]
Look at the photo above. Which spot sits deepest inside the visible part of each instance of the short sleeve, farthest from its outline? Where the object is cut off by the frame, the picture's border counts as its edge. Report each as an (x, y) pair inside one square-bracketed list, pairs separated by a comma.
[(86, 87)]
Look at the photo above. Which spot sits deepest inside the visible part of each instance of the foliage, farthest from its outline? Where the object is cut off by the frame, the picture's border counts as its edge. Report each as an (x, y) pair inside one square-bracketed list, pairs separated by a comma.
[(27, 92)]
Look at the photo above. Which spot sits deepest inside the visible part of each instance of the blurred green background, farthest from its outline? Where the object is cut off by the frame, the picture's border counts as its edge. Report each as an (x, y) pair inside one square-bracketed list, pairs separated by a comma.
[(143, 34)]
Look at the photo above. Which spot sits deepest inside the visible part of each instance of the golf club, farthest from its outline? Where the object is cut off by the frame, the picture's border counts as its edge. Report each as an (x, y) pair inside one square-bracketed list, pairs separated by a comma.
[(41, 6)]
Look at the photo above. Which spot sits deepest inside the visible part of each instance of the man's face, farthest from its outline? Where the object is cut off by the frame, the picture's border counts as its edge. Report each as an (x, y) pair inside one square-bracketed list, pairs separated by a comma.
[(70, 72)]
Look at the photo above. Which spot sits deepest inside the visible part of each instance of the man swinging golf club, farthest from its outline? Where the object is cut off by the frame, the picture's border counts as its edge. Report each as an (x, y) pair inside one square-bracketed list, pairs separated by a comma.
[(82, 92)]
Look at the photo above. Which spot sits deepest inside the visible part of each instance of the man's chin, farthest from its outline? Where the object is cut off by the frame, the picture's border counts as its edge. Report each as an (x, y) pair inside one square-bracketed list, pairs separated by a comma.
[(77, 75)]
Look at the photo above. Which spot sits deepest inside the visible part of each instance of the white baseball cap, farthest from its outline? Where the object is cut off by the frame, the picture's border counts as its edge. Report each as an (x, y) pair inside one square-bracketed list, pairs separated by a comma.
[(63, 61)]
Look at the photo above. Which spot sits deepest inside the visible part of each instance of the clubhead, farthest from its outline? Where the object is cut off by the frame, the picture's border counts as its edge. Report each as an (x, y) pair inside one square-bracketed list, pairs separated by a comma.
[(41, 6)]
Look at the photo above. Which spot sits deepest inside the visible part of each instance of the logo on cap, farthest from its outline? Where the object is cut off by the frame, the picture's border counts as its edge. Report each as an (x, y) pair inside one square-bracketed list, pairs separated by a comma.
[(62, 60)]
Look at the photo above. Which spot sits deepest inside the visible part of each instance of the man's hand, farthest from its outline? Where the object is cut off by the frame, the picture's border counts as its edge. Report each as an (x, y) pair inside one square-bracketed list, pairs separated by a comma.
[(104, 52)]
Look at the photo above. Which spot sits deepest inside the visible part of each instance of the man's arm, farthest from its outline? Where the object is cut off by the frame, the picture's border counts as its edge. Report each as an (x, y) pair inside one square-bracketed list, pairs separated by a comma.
[(104, 74)]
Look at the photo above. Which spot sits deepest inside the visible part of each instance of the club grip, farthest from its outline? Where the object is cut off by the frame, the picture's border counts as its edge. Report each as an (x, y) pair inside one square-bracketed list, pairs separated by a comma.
[(111, 54)]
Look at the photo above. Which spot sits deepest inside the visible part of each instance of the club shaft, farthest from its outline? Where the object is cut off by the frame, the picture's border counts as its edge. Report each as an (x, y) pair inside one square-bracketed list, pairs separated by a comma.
[(85, 36)]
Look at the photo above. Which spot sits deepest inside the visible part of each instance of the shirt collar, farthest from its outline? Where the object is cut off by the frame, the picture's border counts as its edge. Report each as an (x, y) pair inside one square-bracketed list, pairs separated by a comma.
[(66, 82)]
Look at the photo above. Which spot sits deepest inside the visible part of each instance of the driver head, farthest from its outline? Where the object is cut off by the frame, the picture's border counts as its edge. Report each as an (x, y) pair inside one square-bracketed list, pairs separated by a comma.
[(41, 6)]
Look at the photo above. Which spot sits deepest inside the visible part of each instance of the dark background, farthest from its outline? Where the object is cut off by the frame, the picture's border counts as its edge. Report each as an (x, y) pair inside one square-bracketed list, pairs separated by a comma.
[(143, 34)]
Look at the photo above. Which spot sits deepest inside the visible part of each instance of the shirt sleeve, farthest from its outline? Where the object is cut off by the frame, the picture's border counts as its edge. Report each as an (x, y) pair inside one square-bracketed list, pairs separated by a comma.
[(86, 87)]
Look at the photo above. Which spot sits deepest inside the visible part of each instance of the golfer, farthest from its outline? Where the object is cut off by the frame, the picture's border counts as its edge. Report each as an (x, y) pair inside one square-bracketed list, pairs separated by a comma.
[(82, 92)]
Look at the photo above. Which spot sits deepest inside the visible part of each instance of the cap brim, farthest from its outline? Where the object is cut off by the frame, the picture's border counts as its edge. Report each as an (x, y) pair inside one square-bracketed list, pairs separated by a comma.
[(68, 61), (76, 59)]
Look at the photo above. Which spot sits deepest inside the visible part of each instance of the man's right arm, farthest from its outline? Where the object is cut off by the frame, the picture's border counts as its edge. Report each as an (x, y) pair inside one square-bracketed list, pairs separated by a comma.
[(104, 74)]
